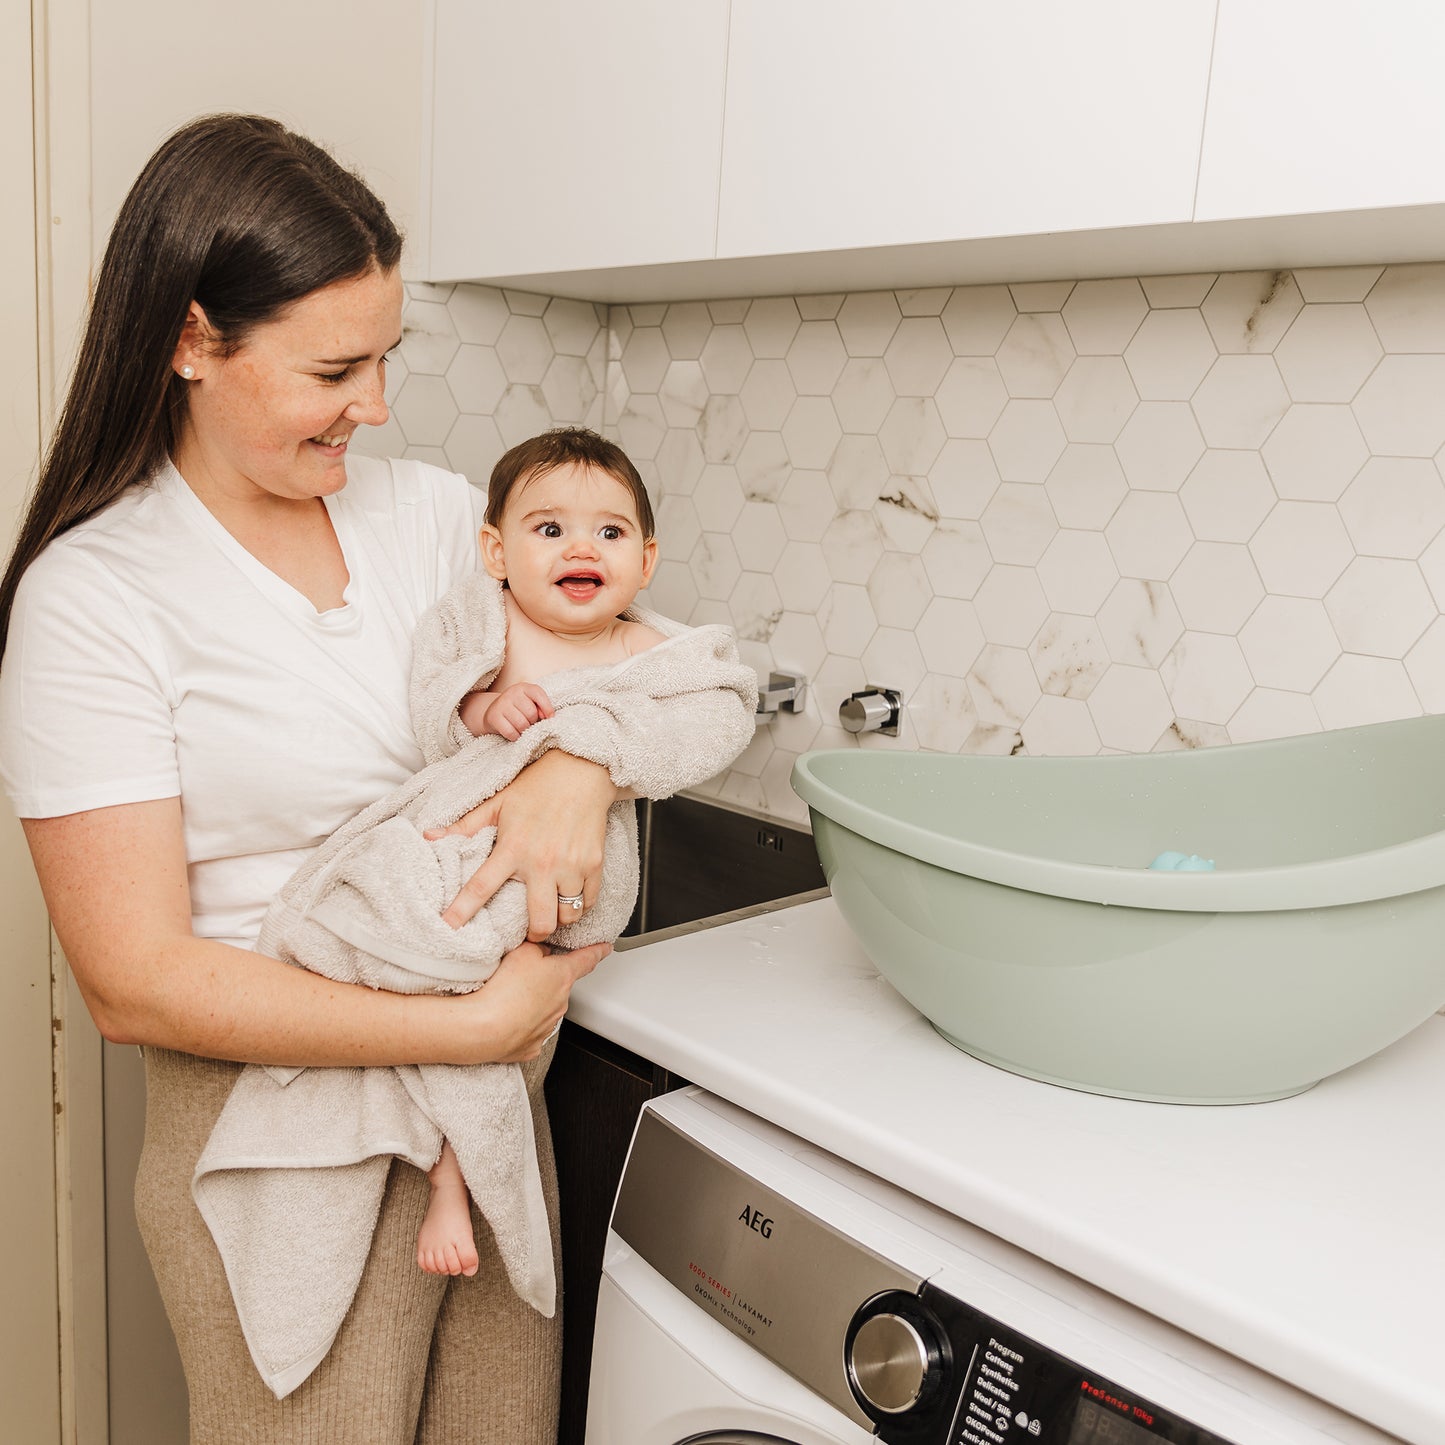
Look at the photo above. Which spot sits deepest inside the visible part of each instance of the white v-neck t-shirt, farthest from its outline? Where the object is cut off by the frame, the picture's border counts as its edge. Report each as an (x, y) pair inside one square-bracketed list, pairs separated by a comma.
[(151, 656)]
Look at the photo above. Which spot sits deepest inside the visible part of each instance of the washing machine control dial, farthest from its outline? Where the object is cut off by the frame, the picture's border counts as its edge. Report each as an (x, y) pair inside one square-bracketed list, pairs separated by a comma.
[(895, 1354)]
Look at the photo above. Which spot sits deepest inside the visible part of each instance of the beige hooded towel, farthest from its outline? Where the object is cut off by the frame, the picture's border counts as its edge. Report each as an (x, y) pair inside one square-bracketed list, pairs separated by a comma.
[(291, 1180)]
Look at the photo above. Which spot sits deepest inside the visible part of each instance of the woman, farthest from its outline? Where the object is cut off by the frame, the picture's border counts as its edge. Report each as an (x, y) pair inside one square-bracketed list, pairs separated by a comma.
[(207, 620)]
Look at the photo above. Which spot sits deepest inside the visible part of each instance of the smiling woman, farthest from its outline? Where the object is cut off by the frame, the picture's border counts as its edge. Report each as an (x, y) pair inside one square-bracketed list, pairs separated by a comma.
[(208, 624)]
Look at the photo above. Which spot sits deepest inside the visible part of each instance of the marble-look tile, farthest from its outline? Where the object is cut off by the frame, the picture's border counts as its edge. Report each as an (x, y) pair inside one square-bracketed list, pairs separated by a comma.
[(1380, 606), (672, 590), (867, 321), (929, 301), (771, 324), (957, 559), (478, 313), (1060, 727), (899, 590), (1159, 445), (1314, 452), (1216, 587), (756, 607), (768, 395), (439, 291), (995, 740), (858, 472), (852, 544), (1027, 440), (722, 428), (821, 307), (811, 432), (1095, 399), (715, 567), (435, 456), (816, 357), (977, 318), (683, 393), (893, 659), (971, 397), (802, 575), (1248, 311), (1069, 655), (1171, 353), (1035, 355), (1206, 677), (429, 336), (1432, 569), (806, 505), (1187, 734), (1267, 714), (1019, 523), (477, 380), (1394, 507), (640, 429), (1130, 708), (906, 513), (1289, 643), (963, 479), (685, 328), (1301, 548), (1003, 686), (1361, 690), (848, 620), (1173, 292), (759, 537), (1328, 353), (1425, 667), (1401, 408), (1240, 402), (525, 349), (1077, 572), (942, 712), (1140, 623), (426, 410), (678, 527), (1086, 486), (648, 313), (1041, 295), (1011, 605), (1337, 283), (918, 356), (572, 326), (645, 358), (950, 636), (863, 395), (912, 435), (473, 447), (569, 388), (728, 312), (1102, 316), (680, 463), (726, 359), (763, 466), (1407, 306), (1227, 496), (1149, 535)]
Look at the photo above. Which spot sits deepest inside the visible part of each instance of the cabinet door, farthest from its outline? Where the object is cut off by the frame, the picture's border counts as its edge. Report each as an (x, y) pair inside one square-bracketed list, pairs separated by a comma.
[(1324, 108), (852, 124), (568, 135)]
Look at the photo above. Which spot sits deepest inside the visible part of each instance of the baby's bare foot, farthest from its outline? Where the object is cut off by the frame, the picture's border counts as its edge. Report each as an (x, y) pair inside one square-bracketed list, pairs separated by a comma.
[(444, 1244)]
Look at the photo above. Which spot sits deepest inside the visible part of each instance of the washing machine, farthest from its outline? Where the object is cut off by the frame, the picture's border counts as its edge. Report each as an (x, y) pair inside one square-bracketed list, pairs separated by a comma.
[(758, 1291)]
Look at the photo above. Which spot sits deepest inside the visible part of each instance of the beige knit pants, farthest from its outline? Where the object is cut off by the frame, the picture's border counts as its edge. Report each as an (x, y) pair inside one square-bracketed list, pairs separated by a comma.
[(419, 1359)]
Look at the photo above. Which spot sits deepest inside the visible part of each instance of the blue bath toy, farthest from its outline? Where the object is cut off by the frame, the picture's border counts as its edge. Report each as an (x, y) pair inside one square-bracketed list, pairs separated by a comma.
[(1171, 862)]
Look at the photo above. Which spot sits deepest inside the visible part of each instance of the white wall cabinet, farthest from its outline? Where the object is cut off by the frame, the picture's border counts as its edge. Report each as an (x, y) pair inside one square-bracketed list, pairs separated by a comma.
[(1332, 108), (851, 124), (566, 134)]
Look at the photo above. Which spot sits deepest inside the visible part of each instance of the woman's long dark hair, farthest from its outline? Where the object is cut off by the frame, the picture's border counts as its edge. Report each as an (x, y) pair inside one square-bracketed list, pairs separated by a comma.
[(234, 212)]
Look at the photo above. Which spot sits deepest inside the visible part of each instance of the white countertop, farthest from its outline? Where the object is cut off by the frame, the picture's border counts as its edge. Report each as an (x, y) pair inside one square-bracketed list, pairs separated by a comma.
[(1306, 1236)]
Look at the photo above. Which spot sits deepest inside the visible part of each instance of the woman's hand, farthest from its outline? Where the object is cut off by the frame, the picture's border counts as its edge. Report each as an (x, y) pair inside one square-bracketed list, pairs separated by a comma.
[(523, 1002), (550, 822)]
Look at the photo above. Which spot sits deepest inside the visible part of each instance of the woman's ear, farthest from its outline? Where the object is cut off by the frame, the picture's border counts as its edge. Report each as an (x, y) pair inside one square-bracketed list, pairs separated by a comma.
[(492, 557), (193, 350)]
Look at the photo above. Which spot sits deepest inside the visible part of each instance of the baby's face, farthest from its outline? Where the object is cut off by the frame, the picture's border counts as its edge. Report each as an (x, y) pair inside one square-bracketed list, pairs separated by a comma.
[(570, 549)]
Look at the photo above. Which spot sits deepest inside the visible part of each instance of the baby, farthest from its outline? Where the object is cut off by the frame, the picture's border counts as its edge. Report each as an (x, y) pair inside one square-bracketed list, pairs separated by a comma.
[(543, 646), (569, 534)]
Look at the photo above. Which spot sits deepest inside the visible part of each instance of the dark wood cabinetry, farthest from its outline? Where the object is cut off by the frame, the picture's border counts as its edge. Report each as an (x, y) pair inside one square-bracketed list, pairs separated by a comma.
[(595, 1091)]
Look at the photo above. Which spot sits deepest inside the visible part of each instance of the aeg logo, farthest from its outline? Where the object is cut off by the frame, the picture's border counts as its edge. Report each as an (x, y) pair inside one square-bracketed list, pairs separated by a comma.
[(754, 1219)]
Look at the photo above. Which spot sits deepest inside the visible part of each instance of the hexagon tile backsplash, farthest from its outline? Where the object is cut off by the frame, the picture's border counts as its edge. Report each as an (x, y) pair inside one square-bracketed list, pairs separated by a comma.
[(1071, 517)]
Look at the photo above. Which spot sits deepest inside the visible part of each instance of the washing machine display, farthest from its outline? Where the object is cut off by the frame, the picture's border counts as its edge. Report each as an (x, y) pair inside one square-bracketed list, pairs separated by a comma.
[(884, 1346)]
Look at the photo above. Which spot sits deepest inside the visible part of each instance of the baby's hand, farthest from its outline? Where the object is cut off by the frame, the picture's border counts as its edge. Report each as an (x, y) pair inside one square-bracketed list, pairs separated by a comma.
[(513, 710)]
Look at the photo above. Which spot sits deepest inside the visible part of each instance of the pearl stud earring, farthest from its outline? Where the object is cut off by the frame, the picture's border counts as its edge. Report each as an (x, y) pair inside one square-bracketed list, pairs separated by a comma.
[(188, 371)]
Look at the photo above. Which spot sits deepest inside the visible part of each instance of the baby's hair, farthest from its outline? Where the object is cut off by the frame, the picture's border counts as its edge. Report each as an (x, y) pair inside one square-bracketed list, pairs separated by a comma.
[(564, 446)]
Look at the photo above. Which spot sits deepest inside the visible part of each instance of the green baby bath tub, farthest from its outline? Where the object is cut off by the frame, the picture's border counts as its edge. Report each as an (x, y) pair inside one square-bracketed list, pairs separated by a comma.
[(1011, 902)]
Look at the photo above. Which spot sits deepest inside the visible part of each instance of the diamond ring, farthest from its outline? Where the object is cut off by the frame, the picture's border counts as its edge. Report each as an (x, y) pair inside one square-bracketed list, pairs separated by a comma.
[(570, 900)]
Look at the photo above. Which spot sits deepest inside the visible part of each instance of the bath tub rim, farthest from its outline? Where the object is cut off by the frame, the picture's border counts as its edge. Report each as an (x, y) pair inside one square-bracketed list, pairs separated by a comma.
[(1395, 870)]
